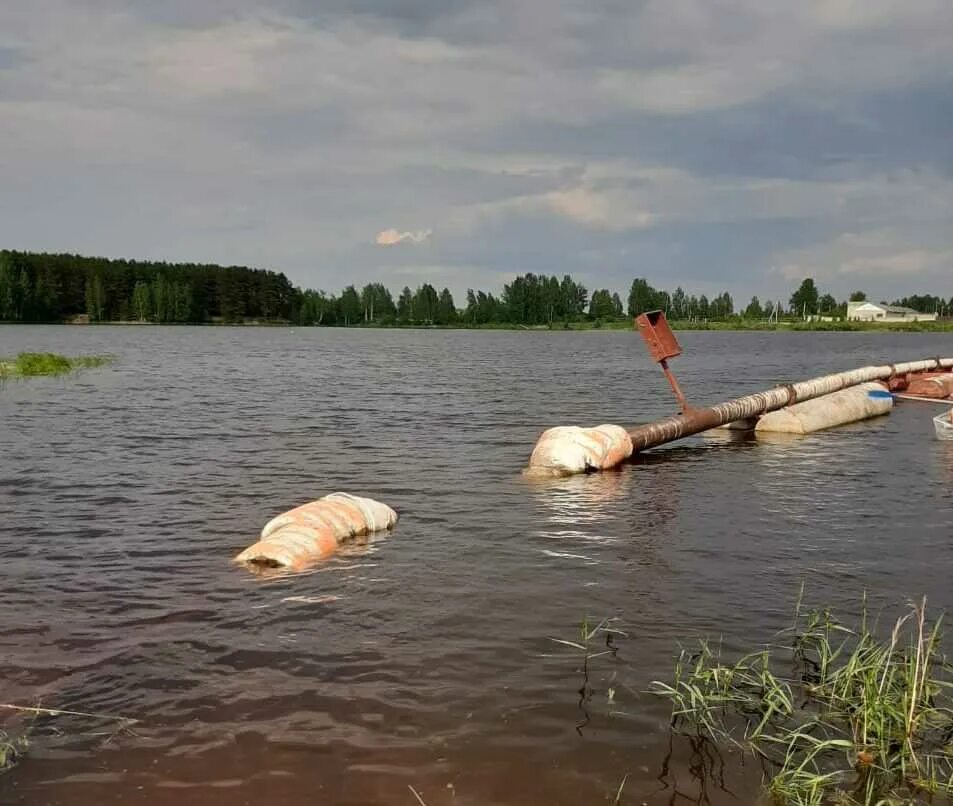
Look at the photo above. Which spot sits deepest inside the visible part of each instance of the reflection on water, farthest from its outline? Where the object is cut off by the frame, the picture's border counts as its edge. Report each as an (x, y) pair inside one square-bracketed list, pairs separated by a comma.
[(422, 657), (575, 506)]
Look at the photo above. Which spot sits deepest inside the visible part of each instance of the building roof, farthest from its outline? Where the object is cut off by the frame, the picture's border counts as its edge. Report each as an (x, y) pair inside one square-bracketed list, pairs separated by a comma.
[(897, 309)]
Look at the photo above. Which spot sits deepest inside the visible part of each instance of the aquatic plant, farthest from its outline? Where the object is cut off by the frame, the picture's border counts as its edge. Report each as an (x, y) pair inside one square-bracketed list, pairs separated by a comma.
[(32, 364), (589, 634), (14, 745), (859, 719), (11, 749)]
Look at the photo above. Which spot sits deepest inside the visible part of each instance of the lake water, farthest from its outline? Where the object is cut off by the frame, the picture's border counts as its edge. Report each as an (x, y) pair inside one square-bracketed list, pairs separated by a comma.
[(423, 659)]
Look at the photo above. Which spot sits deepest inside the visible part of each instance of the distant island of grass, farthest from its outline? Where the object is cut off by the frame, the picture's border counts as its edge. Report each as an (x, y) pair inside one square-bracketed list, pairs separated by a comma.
[(27, 365), (37, 287)]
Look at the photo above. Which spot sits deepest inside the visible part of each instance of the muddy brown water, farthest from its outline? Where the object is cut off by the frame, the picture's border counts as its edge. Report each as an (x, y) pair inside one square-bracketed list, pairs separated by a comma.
[(423, 659)]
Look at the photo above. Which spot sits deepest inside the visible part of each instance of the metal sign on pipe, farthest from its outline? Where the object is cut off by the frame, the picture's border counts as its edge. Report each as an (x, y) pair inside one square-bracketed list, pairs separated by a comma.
[(662, 345)]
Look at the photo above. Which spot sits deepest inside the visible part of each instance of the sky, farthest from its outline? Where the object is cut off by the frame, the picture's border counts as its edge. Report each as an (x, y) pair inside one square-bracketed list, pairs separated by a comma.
[(716, 145)]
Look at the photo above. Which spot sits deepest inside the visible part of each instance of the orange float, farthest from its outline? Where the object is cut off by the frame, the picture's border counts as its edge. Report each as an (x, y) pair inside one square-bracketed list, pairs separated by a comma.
[(937, 386), (566, 450), (312, 532)]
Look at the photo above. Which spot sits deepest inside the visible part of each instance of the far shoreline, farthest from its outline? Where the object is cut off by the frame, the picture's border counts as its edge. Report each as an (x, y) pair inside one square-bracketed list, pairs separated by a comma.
[(738, 326)]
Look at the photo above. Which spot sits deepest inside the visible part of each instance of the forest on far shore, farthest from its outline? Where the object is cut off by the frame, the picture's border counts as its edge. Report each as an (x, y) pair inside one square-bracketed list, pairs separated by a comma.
[(41, 287)]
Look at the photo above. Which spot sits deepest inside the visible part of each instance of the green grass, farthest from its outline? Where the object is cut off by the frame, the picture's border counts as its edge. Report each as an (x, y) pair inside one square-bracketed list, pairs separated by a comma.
[(843, 717), (12, 749), (828, 327), (32, 364)]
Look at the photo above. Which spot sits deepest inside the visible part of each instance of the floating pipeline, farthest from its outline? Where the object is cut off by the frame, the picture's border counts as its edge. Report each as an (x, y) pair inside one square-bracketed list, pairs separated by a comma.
[(743, 408), (545, 458), (302, 536), (861, 402)]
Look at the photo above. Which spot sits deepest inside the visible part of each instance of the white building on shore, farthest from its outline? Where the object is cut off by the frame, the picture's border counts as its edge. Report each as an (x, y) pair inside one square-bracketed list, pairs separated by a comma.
[(874, 312)]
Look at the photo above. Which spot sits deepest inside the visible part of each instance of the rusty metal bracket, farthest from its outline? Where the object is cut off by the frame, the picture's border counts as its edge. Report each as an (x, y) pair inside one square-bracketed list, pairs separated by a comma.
[(662, 345)]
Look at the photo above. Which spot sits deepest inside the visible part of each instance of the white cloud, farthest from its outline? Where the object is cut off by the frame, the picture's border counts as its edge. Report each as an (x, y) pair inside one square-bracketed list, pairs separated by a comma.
[(391, 237)]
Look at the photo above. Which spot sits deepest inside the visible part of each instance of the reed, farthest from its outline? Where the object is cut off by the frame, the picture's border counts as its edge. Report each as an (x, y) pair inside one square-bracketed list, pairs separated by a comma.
[(33, 364), (857, 718)]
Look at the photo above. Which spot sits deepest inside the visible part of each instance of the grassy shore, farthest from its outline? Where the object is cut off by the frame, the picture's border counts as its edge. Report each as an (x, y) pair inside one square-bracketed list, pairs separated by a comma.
[(27, 365), (730, 325), (736, 324), (783, 326), (844, 714)]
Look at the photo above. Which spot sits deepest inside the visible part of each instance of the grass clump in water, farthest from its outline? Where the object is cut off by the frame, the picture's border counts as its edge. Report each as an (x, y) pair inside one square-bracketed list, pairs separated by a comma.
[(12, 749), (857, 718), (33, 364)]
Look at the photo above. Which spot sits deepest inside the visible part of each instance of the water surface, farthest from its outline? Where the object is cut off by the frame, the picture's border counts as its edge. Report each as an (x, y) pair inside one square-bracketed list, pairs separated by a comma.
[(423, 658)]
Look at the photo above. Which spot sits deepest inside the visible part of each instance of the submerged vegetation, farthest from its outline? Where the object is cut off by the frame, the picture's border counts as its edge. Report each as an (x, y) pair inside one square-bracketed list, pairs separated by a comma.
[(12, 749), (31, 364), (14, 744), (841, 717)]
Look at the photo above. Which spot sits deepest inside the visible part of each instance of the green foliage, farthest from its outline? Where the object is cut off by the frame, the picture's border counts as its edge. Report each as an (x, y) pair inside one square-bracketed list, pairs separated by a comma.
[(862, 719), (678, 305), (39, 287), (754, 309), (446, 310), (482, 308), (602, 306), (95, 299), (142, 301), (827, 305), (350, 306), (378, 304), (927, 303), (642, 297), (805, 299), (31, 364), (858, 296), (12, 749), (532, 299)]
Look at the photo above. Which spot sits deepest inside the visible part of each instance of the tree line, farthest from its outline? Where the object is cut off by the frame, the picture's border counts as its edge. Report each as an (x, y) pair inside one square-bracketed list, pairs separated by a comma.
[(40, 287), (807, 300)]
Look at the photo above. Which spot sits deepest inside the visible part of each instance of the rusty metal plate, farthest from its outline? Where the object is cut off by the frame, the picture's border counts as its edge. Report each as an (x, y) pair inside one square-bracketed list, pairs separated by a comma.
[(658, 336)]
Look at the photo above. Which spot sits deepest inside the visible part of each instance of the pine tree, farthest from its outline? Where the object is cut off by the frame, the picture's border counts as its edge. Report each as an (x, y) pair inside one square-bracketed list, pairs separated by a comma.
[(446, 310), (405, 306), (95, 299), (142, 301)]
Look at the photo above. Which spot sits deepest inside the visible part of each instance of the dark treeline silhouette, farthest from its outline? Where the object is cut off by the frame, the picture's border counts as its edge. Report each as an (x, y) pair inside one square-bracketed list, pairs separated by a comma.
[(39, 287), (530, 299)]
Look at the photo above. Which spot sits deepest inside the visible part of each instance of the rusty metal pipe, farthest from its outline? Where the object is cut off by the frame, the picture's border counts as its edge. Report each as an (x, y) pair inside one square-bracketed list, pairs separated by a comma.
[(702, 419)]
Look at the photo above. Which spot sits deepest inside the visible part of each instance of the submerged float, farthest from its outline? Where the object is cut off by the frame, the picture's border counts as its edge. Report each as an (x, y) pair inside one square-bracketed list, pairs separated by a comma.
[(298, 538), (850, 405), (802, 408), (943, 423)]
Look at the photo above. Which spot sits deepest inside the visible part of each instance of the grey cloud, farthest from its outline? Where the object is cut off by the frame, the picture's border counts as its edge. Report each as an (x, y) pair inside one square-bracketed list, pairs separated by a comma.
[(10, 57), (710, 142)]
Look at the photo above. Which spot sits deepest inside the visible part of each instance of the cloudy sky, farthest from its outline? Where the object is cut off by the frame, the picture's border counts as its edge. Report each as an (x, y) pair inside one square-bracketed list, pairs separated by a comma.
[(713, 144)]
